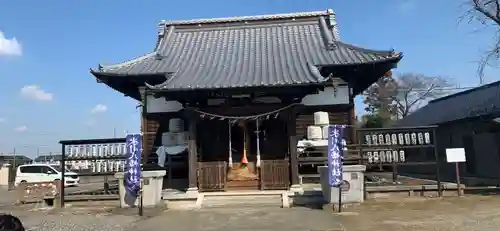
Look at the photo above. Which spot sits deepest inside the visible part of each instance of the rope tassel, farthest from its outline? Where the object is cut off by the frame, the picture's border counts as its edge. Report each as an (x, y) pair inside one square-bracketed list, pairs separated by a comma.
[(258, 143)]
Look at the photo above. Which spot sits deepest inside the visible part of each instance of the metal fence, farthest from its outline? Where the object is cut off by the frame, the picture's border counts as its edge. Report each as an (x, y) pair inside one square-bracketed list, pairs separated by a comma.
[(93, 162), (400, 150)]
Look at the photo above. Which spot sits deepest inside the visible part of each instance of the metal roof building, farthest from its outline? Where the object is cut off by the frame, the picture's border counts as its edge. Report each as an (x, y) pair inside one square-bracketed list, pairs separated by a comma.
[(481, 102)]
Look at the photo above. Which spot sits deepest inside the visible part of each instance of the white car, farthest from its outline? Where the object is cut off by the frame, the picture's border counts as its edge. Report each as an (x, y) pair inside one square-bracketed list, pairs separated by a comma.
[(33, 173)]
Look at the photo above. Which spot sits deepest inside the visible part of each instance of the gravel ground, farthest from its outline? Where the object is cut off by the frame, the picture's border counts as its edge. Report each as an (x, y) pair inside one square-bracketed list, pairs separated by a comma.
[(76, 222), (7, 197), (40, 217), (468, 213), (243, 219)]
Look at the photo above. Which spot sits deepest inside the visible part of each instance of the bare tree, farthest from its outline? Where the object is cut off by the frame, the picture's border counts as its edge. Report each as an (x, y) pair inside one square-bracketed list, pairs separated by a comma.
[(415, 90), (394, 98), (487, 13)]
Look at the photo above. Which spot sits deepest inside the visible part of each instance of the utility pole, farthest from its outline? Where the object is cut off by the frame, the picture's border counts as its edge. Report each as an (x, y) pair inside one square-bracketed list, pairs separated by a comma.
[(14, 161)]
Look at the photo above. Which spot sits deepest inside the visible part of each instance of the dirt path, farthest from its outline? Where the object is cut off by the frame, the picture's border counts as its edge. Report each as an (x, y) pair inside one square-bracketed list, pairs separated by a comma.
[(469, 213)]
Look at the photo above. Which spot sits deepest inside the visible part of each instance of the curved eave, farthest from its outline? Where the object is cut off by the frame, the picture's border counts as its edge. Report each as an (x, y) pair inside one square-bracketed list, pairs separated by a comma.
[(128, 84), (366, 50), (247, 89), (395, 58), (370, 71), (114, 67), (126, 75)]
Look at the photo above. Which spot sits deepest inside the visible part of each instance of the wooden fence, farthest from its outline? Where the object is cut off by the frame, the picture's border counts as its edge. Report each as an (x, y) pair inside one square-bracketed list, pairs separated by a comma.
[(212, 176), (274, 174)]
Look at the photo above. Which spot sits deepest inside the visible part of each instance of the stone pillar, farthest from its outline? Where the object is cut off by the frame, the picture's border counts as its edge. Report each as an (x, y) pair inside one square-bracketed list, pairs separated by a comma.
[(151, 189), (352, 186), (5, 175)]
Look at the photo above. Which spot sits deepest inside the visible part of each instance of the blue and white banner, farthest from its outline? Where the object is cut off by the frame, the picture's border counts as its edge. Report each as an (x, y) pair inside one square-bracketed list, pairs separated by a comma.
[(133, 163), (335, 154)]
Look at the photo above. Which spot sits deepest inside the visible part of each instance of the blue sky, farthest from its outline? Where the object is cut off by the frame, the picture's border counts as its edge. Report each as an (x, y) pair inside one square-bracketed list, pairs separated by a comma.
[(47, 93)]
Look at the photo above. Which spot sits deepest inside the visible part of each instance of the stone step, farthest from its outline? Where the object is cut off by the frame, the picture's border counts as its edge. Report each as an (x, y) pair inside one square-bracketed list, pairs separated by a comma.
[(232, 201), (309, 178)]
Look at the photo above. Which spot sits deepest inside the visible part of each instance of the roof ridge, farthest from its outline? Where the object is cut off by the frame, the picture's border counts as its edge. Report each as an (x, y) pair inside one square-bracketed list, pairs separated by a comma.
[(328, 12), (466, 92)]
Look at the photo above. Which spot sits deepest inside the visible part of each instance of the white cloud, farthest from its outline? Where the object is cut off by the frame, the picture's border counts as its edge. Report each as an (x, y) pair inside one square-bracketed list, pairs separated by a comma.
[(99, 108), (34, 92), (9, 47), (21, 128)]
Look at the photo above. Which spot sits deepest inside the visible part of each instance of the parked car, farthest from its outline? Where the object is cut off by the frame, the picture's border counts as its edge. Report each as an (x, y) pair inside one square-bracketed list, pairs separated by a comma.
[(33, 173)]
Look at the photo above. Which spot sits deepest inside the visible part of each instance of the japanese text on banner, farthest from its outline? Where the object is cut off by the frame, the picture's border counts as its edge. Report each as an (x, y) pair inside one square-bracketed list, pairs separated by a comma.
[(335, 154), (133, 163)]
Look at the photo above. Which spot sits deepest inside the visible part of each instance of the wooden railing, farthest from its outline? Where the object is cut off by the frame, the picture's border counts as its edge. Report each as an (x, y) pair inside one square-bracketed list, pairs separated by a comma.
[(212, 176), (274, 174), (319, 156)]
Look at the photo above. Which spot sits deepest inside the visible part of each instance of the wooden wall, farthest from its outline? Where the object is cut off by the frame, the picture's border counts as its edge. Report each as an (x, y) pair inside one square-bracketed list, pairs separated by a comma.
[(482, 151), (156, 123)]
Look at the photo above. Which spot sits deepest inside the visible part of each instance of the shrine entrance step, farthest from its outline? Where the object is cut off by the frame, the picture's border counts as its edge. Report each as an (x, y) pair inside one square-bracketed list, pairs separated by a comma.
[(242, 199), (245, 185)]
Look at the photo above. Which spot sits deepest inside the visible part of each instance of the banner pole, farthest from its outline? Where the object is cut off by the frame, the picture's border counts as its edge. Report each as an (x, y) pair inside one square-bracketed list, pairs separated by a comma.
[(340, 199), (141, 211), (141, 184)]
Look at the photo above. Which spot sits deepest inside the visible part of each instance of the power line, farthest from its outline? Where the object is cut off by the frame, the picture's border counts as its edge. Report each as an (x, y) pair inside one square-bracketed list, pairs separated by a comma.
[(436, 89), (441, 89)]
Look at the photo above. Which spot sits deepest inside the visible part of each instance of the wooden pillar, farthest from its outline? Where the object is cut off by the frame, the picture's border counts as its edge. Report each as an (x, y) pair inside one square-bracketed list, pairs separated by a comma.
[(144, 130), (351, 121), (292, 147), (192, 154)]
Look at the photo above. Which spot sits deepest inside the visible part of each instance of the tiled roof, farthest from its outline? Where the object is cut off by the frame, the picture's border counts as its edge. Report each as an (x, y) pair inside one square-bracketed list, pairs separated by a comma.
[(283, 49), (17, 157), (480, 101)]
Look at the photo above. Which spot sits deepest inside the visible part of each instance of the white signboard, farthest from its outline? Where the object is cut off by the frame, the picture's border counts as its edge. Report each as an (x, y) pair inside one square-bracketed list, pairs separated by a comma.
[(455, 155)]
